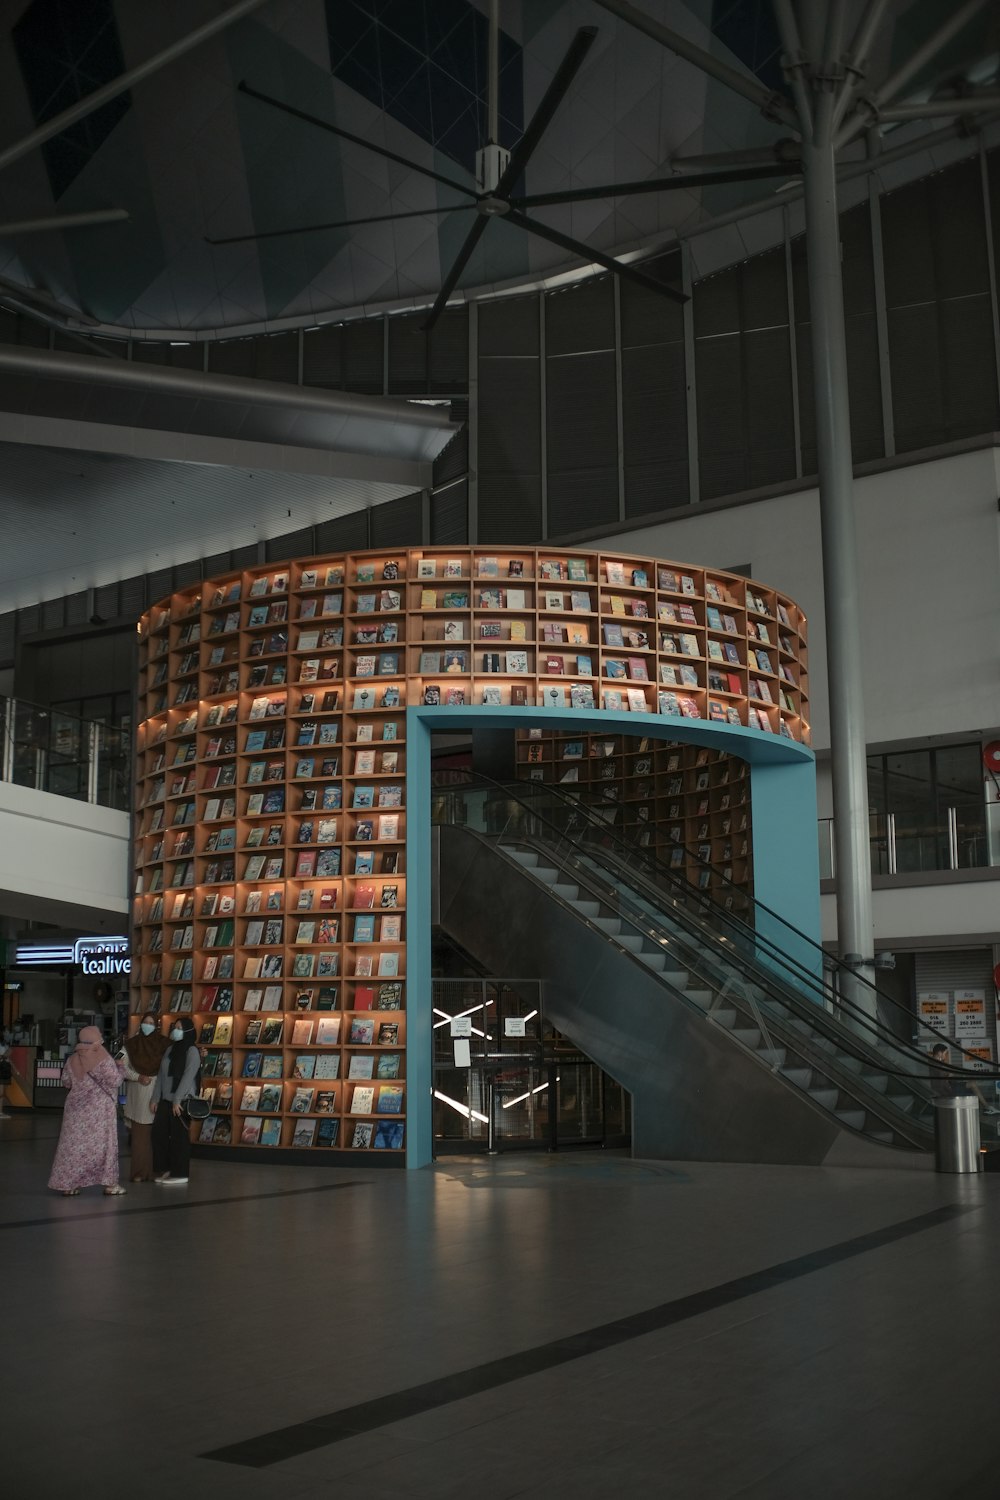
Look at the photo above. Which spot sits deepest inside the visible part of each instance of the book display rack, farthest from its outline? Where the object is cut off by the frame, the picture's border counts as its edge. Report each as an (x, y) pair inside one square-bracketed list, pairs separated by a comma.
[(270, 828), (686, 804)]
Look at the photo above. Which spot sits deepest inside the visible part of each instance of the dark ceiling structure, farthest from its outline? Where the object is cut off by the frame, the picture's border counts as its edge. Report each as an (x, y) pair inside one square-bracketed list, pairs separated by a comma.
[(206, 168)]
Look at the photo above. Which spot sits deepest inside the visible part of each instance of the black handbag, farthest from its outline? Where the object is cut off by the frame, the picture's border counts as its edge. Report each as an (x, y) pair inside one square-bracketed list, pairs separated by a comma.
[(196, 1108)]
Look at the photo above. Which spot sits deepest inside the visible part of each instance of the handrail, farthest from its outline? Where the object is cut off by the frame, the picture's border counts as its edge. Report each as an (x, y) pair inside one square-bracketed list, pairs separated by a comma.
[(525, 793)]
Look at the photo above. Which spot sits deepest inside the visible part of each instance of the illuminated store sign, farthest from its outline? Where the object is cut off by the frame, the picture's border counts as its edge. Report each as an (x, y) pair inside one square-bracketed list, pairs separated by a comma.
[(94, 955)]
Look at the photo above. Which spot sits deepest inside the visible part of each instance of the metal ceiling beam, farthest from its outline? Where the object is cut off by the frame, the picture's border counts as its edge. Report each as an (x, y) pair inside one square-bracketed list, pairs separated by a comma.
[(47, 364), (928, 52), (795, 61), (971, 104), (65, 221), (770, 104), (127, 80)]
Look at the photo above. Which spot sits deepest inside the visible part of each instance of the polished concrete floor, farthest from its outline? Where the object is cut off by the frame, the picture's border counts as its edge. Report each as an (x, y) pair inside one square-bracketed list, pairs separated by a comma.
[(574, 1326)]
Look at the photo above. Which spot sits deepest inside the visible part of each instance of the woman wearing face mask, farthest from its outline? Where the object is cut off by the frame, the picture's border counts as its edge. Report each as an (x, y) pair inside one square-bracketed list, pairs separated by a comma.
[(178, 1078), (87, 1153), (141, 1057)]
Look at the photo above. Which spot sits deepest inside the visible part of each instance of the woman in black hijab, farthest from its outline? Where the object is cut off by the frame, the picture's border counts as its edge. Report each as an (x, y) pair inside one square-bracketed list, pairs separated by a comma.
[(179, 1077)]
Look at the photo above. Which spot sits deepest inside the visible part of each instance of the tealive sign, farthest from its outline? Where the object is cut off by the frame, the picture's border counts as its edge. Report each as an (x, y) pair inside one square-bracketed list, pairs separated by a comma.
[(93, 955), (103, 955)]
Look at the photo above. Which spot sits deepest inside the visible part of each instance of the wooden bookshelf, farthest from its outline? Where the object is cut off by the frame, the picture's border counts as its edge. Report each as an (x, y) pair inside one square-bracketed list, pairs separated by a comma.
[(688, 805), (270, 846)]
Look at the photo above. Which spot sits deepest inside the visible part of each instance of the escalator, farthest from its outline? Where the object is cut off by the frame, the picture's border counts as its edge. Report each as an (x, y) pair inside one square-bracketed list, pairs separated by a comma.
[(725, 1029)]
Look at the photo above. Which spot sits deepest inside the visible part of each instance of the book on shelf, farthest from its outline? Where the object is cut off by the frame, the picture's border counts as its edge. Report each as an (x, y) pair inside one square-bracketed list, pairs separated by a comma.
[(270, 1134), (390, 1099), (387, 1065), (327, 1066), (271, 1066), (304, 1134), (388, 1135), (362, 1100), (361, 1065), (327, 1031), (302, 1031), (249, 1130), (327, 1133), (304, 1065), (302, 1100)]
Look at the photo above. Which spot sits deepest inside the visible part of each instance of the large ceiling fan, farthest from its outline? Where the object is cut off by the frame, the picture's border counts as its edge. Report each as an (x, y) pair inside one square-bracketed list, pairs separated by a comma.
[(500, 172)]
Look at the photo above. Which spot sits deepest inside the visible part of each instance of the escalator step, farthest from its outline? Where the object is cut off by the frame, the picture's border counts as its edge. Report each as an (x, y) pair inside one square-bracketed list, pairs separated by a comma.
[(800, 1077), (826, 1097), (904, 1102), (877, 1081), (773, 1056), (855, 1118), (566, 892), (749, 1036)]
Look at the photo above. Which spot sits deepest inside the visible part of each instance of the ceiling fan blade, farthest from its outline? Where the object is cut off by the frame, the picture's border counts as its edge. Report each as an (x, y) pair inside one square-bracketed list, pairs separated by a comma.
[(65, 221), (659, 184), (589, 254), (300, 114), (551, 100), (273, 234), (459, 264)]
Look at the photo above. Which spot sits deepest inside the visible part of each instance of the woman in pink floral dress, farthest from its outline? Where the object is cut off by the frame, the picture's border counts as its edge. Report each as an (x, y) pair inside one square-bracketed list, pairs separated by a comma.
[(87, 1153)]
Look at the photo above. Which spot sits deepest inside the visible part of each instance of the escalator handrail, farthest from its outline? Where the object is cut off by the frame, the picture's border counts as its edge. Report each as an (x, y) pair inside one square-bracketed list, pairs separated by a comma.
[(757, 940)]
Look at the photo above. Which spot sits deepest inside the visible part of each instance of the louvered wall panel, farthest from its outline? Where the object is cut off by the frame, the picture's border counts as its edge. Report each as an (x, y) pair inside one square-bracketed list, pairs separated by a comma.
[(654, 427), (159, 584), (453, 460), (76, 607), (8, 624), (243, 557), (509, 413), (362, 357), (131, 598), (509, 326), (582, 434), (232, 357), (187, 572), (53, 615), (581, 498), (510, 509), (105, 603), (650, 319), (918, 408), (28, 621), (322, 363), (276, 357), (450, 514), (215, 563), (174, 356), (968, 367), (767, 385), (408, 355), (397, 523), (297, 543), (448, 353), (722, 448), (580, 319), (342, 533)]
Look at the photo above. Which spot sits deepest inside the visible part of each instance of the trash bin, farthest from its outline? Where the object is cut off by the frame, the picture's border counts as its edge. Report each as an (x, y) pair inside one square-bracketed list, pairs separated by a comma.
[(956, 1134)]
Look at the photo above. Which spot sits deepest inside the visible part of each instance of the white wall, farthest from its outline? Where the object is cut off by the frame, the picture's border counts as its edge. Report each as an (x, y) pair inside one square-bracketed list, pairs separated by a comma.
[(948, 912), (63, 862), (929, 571)]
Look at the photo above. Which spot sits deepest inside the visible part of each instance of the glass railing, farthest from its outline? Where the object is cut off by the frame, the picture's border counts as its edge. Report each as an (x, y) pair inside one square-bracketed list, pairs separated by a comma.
[(829, 1015), (959, 840), (51, 751)]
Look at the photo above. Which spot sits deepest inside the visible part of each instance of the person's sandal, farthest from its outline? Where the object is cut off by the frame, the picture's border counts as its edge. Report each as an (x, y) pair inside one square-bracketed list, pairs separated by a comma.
[(71, 1193), (114, 1192)]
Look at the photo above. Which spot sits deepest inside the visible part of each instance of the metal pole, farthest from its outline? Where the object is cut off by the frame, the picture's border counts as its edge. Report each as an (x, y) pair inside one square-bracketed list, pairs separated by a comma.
[(837, 522), (690, 377), (493, 74), (90, 102), (473, 500), (770, 104)]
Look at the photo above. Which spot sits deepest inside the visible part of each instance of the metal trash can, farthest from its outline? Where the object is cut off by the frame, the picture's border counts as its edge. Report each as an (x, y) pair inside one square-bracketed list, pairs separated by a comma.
[(956, 1134)]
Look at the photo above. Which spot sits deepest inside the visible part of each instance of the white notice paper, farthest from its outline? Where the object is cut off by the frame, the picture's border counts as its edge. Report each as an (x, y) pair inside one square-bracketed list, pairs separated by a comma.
[(463, 1055), (514, 1026), (461, 1025)]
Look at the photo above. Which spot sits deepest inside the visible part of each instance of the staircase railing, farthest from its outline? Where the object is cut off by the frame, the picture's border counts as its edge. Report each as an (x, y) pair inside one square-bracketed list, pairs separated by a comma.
[(573, 831)]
